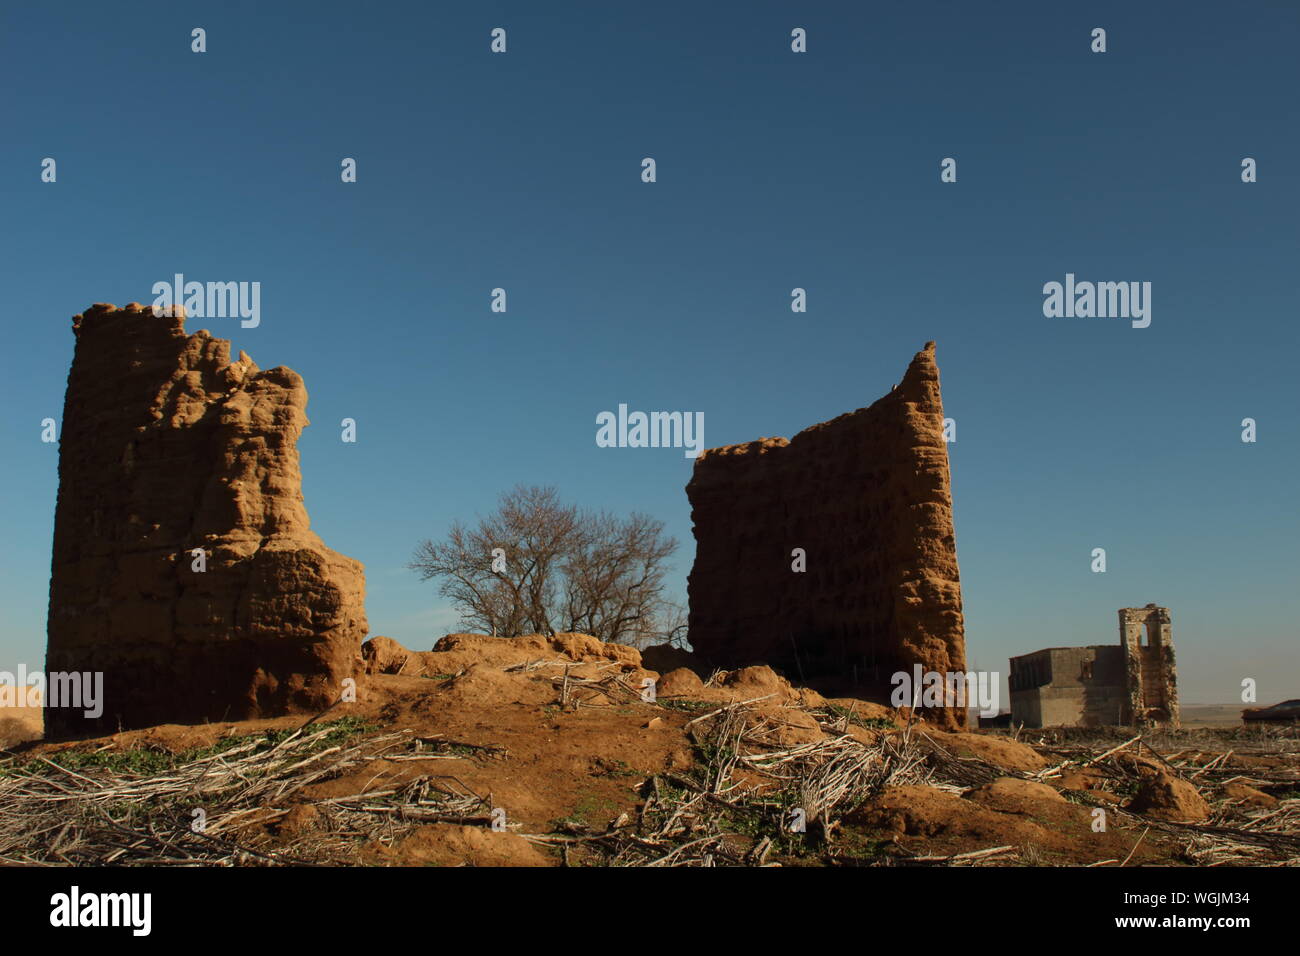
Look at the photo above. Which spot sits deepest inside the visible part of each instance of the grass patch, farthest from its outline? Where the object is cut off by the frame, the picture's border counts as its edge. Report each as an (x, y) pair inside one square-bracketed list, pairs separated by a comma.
[(868, 723), (149, 761), (615, 768), (686, 706), (589, 809)]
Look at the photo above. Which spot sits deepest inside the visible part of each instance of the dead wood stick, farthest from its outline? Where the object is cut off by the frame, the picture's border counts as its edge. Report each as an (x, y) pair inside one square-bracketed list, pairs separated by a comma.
[(972, 855), (1135, 846), (740, 703), (1113, 750)]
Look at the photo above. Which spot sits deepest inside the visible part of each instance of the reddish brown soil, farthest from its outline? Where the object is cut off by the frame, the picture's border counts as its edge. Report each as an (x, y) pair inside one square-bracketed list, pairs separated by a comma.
[(577, 766)]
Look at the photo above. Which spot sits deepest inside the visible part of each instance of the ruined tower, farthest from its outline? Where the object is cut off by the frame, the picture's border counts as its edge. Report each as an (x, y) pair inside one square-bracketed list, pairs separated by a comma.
[(866, 499), (1130, 683), (1150, 676), (184, 567)]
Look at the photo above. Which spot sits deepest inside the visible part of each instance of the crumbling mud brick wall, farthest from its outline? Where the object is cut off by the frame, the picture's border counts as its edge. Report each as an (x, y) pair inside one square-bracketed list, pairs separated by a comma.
[(1151, 674), (866, 496), (168, 446)]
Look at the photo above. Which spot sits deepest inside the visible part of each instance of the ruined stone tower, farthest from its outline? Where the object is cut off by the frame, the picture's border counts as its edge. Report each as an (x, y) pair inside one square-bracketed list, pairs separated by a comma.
[(866, 496), (1131, 683), (1151, 677), (184, 568)]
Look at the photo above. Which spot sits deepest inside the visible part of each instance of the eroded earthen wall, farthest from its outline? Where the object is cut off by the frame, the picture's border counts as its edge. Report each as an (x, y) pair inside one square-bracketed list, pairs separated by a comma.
[(867, 497), (168, 446)]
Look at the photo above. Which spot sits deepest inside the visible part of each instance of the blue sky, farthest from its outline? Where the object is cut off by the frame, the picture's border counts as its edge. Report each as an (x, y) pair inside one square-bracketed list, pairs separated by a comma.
[(775, 170)]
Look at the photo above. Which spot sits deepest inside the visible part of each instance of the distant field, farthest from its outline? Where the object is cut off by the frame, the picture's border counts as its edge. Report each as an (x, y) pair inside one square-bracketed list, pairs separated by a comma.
[(1212, 715), (18, 724)]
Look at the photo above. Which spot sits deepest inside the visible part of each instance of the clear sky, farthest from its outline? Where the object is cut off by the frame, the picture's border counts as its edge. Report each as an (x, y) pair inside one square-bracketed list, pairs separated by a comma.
[(775, 170)]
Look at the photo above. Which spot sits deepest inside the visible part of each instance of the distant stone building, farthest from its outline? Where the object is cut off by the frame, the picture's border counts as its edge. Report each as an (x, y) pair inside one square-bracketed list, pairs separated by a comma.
[(1130, 683)]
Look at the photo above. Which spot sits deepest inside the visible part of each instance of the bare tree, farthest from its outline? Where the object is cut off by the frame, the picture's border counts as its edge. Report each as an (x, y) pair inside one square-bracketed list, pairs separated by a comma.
[(674, 626), (538, 566), (613, 577)]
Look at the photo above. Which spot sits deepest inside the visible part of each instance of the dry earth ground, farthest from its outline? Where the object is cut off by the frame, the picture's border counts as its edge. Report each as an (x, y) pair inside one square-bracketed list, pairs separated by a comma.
[(550, 741)]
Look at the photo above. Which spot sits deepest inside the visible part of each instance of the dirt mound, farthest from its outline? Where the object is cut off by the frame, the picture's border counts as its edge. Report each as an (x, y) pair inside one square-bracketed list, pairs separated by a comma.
[(998, 751), (456, 652), (1080, 778), (383, 655), (483, 683), (16, 730), (782, 727), (1142, 766), (756, 681), (19, 722), (1248, 795), (1013, 795), (584, 647), (554, 733), (681, 682), (922, 811), (864, 710), (1053, 832), (301, 818), (758, 685), (1166, 797), (446, 844), (760, 681), (511, 650)]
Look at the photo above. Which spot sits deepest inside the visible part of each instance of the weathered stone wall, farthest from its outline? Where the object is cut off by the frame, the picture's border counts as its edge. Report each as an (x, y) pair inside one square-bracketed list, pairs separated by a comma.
[(168, 446), (1069, 687), (1134, 682), (867, 497)]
